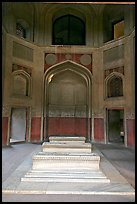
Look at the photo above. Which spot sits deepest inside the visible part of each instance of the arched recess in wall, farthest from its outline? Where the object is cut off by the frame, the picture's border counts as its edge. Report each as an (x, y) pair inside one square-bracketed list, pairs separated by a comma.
[(68, 30), (22, 15), (111, 16), (115, 111), (67, 101), (22, 29), (21, 83), (114, 86), (85, 13)]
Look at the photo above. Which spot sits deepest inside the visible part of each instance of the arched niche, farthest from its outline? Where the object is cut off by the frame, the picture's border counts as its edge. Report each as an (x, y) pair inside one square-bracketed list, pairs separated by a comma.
[(18, 11), (67, 101), (68, 30), (84, 12), (20, 83), (114, 84), (22, 29), (112, 14)]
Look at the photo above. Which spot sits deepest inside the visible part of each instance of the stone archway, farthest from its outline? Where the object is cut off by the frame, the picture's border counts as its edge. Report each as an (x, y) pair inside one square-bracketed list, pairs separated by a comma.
[(67, 101)]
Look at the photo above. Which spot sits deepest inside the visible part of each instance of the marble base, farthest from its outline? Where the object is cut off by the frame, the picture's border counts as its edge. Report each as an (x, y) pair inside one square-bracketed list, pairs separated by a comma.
[(65, 147), (65, 159)]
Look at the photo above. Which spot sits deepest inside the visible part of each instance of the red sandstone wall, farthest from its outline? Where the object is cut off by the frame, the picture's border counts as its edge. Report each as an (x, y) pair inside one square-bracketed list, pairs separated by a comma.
[(4, 130), (99, 129), (35, 129), (67, 126), (130, 132)]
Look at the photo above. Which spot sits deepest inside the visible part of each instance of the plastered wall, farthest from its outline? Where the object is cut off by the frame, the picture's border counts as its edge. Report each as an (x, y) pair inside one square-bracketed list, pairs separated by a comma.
[(73, 101)]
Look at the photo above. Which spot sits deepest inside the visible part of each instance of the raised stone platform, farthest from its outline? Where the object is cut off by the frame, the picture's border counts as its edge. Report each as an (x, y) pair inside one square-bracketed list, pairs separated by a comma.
[(73, 175), (74, 181), (65, 147), (67, 144), (66, 159), (67, 139)]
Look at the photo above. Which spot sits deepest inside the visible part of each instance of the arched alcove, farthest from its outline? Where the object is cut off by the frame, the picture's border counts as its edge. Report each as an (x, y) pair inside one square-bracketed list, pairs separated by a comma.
[(67, 101), (86, 14), (21, 83), (22, 29), (114, 85), (112, 14), (115, 112), (68, 30)]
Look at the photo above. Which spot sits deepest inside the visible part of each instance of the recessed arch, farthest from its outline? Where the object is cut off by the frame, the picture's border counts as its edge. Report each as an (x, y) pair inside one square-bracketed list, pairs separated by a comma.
[(22, 29), (114, 85), (21, 83), (68, 30), (67, 100), (112, 15), (86, 14)]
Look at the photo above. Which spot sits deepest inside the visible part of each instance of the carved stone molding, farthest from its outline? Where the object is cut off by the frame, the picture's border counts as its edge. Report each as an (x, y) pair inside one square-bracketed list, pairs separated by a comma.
[(16, 67), (116, 69)]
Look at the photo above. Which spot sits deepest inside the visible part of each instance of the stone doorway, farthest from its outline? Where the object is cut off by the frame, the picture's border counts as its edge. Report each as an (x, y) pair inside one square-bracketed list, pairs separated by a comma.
[(116, 126), (18, 125)]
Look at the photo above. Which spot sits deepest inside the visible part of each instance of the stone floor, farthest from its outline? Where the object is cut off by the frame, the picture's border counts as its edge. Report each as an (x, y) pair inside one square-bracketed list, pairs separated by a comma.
[(117, 162)]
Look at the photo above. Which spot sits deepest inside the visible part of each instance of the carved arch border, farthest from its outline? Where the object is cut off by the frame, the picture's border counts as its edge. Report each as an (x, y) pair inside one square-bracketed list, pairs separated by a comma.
[(28, 80), (79, 70), (111, 75), (57, 11)]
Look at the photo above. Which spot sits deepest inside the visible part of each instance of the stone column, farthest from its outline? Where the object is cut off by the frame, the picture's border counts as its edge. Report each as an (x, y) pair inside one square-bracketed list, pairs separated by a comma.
[(37, 95), (129, 92), (97, 96)]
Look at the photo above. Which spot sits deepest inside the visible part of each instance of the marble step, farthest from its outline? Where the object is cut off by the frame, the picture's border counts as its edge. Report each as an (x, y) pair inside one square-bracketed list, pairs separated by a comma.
[(62, 176), (66, 147), (71, 171), (92, 180), (57, 173), (44, 160), (67, 139)]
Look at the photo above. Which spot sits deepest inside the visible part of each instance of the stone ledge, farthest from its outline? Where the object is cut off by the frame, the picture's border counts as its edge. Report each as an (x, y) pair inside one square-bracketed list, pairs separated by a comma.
[(88, 157), (66, 139), (65, 145)]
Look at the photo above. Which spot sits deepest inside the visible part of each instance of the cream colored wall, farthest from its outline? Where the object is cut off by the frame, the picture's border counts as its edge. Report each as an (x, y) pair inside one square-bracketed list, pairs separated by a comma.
[(99, 103), (43, 41), (37, 68), (129, 78)]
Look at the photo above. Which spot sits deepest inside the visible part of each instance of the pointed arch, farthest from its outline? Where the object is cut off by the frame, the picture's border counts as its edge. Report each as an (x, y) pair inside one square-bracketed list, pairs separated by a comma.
[(114, 85), (68, 30), (77, 79), (21, 83), (22, 29)]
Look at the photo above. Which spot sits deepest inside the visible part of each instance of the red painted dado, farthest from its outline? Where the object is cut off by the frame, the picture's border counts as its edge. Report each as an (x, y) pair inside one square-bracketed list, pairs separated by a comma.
[(67, 126), (35, 129), (4, 130), (99, 129), (81, 126), (130, 132)]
